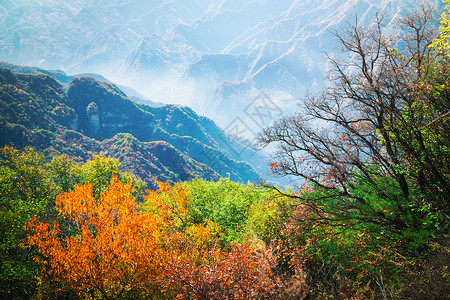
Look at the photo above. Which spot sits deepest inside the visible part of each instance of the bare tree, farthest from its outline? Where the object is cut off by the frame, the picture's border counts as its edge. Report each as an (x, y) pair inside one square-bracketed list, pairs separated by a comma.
[(367, 134)]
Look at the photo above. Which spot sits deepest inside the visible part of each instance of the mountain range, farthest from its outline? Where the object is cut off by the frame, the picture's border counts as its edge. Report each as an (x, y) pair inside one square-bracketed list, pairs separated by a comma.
[(214, 56)]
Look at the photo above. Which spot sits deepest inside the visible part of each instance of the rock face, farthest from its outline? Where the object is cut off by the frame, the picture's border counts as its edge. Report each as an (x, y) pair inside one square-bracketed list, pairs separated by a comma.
[(94, 118), (102, 109)]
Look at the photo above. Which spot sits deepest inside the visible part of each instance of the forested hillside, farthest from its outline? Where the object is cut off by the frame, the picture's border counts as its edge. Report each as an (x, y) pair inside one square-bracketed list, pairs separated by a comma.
[(168, 143)]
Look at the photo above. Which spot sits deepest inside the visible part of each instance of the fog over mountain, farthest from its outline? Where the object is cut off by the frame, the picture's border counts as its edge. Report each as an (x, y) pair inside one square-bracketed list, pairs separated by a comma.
[(215, 56)]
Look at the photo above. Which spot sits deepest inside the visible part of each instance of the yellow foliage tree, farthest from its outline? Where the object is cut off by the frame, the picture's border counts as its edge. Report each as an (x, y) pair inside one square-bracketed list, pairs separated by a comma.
[(442, 42), (114, 251), (180, 237)]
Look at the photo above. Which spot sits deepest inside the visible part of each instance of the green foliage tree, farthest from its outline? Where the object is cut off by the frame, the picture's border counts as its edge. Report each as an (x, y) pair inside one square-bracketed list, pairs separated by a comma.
[(442, 42), (240, 210), (99, 172), (64, 172), (25, 190)]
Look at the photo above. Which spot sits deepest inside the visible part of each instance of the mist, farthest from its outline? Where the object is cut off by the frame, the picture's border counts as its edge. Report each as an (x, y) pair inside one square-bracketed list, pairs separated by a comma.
[(213, 56)]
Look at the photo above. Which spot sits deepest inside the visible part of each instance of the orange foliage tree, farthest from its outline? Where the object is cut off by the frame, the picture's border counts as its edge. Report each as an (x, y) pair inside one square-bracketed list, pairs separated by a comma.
[(113, 249), (237, 274)]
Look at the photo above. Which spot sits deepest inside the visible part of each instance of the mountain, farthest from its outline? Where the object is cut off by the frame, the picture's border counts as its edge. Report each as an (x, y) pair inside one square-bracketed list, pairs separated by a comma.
[(89, 117), (213, 56), (66, 79)]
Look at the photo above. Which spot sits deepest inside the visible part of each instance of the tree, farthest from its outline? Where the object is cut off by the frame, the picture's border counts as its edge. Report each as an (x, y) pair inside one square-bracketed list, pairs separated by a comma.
[(111, 249), (232, 275), (25, 191), (240, 210), (99, 172), (442, 42)]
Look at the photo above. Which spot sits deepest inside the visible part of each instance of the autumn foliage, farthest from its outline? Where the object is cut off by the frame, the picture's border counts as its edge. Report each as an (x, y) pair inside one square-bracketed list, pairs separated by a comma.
[(112, 248), (371, 221), (197, 267), (221, 275)]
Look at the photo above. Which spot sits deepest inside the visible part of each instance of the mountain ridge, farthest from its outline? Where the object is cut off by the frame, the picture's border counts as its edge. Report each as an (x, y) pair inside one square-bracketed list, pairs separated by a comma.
[(96, 117)]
